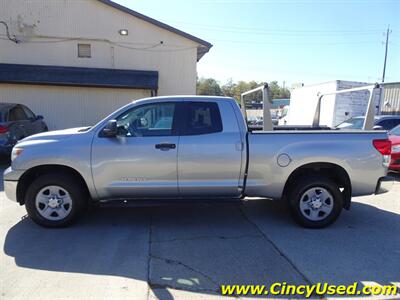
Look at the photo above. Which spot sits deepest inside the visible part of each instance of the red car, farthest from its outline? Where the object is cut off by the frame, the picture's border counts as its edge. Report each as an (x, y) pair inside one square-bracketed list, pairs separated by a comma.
[(394, 137)]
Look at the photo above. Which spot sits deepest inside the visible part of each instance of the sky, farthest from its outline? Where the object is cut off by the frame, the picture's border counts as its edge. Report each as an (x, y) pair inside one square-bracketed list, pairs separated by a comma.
[(289, 41)]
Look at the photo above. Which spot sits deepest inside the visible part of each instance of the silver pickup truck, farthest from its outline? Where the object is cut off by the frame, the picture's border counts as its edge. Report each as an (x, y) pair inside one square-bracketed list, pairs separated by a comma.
[(193, 148)]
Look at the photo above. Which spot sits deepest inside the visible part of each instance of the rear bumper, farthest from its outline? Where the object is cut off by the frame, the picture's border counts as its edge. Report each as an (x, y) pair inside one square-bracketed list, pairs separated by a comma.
[(384, 184)]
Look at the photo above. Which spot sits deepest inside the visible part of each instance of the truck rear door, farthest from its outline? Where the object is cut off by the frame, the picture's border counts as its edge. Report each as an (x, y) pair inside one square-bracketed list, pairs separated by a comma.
[(210, 150)]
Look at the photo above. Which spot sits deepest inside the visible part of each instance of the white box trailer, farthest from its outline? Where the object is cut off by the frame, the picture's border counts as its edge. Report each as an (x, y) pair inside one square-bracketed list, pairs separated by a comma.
[(335, 108)]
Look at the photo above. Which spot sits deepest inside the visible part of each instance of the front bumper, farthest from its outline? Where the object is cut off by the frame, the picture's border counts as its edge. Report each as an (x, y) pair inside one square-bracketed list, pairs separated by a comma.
[(384, 184), (10, 188), (11, 178)]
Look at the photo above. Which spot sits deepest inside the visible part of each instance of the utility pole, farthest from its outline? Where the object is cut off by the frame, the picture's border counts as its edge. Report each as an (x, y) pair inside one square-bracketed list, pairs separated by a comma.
[(386, 51)]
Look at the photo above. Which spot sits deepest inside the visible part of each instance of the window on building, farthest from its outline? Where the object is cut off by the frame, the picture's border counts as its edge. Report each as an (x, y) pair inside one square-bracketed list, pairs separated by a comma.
[(84, 50)]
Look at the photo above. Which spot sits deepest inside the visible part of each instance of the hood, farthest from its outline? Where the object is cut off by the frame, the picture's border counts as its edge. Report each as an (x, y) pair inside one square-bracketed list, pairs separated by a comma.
[(55, 135)]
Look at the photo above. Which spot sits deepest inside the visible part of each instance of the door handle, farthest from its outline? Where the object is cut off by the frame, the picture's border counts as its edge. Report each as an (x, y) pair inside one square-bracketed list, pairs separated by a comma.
[(165, 146)]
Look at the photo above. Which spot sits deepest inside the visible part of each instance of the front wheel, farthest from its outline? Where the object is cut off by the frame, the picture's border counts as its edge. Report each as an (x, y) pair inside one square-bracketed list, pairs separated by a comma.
[(315, 202), (55, 200)]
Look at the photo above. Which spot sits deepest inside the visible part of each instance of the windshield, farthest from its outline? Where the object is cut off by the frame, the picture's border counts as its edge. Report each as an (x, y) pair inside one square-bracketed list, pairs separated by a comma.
[(353, 123), (395, 131)]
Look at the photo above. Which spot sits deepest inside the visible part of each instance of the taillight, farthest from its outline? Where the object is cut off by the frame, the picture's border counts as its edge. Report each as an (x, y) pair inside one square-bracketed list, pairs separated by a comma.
[(3, 129), (383, 146)]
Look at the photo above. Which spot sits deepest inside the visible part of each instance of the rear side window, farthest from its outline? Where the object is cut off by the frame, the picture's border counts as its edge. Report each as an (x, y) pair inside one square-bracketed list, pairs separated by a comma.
[(202, 118), (17, 114)]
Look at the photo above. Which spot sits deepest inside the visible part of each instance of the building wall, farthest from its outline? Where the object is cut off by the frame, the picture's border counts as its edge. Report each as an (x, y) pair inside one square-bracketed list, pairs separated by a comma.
[(64, 107), (334, 108), (49, 31), (390, 104), (352, 104)]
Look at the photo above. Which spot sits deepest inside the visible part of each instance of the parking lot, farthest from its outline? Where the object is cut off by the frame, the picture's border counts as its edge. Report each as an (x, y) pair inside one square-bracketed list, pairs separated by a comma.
[(187, 251)]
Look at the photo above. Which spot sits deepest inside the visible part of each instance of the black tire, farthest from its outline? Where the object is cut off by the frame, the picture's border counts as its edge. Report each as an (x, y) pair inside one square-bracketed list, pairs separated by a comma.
[(76, 191), (296, 195)]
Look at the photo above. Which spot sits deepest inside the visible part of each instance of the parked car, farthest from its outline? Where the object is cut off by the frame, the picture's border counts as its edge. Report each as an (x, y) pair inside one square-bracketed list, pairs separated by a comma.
[(254, 120), (381, 122), (17, 122), (394, 137), (207, 151)]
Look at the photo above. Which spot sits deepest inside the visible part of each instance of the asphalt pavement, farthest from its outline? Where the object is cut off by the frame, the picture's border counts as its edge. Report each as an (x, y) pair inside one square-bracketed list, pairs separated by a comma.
[(188, 251)]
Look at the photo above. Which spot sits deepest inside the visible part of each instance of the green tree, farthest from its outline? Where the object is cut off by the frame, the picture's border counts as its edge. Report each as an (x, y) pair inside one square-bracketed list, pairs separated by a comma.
[(208, 86), (228, 89), (278, 92)]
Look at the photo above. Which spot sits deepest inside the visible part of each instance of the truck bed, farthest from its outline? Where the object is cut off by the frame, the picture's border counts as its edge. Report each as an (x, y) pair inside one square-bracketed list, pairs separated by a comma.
[(274, 155)]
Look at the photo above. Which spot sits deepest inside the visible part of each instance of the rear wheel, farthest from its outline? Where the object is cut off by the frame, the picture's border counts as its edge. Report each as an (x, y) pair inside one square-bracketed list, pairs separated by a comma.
[(54, 200), (315, 202)]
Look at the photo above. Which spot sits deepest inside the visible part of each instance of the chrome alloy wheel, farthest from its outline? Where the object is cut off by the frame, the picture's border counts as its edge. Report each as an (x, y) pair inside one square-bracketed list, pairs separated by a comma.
[(53, 203), (316, 204)]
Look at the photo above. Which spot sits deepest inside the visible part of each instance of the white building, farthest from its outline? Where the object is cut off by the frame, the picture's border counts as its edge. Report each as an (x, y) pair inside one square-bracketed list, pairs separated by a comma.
[(334, 108), (75, 61)]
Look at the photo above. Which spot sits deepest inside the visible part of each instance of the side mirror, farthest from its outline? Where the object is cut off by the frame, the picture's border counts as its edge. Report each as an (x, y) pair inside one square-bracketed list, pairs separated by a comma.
[(111, 129), (39, 117), (377, 127)]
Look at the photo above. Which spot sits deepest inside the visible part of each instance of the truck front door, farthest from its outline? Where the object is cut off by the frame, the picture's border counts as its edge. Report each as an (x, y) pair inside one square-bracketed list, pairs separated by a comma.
[(142, 160)]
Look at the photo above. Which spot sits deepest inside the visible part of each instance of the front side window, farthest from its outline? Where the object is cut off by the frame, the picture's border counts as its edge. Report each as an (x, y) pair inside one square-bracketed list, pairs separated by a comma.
[(29, 113), (202, 118), (148, 120)]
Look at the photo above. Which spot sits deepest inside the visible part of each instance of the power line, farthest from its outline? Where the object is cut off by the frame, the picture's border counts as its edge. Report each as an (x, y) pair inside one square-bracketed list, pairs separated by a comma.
[(154, 47), (289, 33), (295, 43), (237, 29), (278, 30), (11, 38)]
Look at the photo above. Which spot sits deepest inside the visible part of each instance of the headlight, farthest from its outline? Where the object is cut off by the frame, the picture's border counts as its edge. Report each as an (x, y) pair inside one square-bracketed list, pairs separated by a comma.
[(396, 149), (15, 152)]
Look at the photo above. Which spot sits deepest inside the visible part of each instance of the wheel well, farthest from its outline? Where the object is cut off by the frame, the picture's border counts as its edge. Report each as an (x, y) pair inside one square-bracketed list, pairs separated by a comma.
[(329, 170), (29, 176)]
